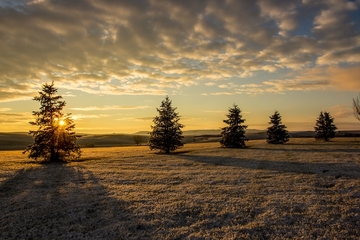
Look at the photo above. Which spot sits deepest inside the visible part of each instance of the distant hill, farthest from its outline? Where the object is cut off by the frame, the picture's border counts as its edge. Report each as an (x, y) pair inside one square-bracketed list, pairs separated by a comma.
[(107, 140), (188, 132), (14, 141), (19, 140), (201, 132)]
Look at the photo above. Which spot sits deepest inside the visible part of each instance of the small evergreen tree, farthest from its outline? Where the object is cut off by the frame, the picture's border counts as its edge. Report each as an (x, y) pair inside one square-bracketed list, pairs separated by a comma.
[(54, 140), (277, 133), (166, 134), (356, 107), (233, 135), (325, 127), (138, 139)]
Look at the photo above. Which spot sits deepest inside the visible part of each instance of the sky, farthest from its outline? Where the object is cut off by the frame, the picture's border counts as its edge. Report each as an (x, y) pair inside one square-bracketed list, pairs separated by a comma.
[(114, 61)]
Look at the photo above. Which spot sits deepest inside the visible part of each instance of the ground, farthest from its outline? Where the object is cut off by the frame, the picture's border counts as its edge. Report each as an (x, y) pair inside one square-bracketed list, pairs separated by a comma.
[(301, 190)]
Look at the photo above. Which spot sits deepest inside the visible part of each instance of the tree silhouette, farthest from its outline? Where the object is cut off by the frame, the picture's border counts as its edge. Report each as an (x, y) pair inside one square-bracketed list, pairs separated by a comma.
[(325, 127), (233, 135), (356, 107), (277, 133), (166, 134), (54, 140), (138, 139)]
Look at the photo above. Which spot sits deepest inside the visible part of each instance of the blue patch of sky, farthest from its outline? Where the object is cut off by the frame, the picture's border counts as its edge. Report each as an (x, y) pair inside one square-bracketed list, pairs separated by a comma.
[(305, 26), (212, 20), (15, 4), (354, 17), (349, 65), (306, 21), (12, 3), (270, 24)]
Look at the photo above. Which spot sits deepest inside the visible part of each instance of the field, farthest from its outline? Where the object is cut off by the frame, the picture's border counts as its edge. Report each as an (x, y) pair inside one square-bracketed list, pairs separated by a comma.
[(302, 190)]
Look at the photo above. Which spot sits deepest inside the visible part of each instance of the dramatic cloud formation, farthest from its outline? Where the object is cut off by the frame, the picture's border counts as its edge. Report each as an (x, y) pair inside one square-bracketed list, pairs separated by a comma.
[(154, 48)]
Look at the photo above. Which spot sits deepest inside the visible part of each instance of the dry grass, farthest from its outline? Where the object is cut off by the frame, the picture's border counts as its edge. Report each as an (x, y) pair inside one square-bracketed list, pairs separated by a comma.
[(301, 190)]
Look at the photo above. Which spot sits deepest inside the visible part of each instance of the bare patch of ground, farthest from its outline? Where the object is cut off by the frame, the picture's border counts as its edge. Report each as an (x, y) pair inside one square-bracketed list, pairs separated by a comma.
[(301, 190)]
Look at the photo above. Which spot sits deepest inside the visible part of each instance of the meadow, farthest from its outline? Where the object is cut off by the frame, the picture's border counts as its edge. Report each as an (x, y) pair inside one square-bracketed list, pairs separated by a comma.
[(301, 190)]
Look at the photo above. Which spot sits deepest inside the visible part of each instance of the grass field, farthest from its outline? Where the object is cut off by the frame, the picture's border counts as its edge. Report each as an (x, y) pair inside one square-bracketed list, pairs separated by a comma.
[(301, 190)]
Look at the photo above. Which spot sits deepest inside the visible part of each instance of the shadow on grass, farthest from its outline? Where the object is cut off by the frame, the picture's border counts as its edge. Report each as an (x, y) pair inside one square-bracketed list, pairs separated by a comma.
[(172, 152), (86, 159), (55, 201), (318, 149), (335, 169)]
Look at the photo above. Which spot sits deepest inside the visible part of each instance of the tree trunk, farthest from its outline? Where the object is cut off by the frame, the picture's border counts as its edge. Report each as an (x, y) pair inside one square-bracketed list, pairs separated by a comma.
[(52, 155)]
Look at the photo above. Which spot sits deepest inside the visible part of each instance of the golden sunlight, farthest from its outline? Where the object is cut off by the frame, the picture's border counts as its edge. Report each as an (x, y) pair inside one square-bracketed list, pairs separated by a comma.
[(61, 122)]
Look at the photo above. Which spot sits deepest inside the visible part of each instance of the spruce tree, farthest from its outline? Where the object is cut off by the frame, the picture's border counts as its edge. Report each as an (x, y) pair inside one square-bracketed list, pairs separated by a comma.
[(277, 133), (356, 107), (325, 127), (54, 140), (233, 135), (166, 134)]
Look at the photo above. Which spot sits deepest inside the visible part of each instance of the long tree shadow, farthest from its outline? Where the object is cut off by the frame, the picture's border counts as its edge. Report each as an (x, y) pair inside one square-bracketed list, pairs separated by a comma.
[(59, 201), (336, 169), (318, 149)]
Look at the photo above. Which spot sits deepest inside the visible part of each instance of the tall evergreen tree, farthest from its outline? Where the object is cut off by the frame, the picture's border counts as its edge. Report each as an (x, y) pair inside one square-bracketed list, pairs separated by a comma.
[(54, 140), (233, 135), (325, 127), (277, 133), (166, 134)]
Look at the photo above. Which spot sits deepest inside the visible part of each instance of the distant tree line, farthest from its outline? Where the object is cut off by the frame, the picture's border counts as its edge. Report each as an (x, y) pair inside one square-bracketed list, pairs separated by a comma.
[(55, 139)]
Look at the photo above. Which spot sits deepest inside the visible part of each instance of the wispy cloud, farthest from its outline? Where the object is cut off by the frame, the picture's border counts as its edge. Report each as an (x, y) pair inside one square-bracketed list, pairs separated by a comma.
[(106, 108), (345, 78), (145, 118), (89, 116), (15, 118), (341, 111), (142, 119), (213, 111)]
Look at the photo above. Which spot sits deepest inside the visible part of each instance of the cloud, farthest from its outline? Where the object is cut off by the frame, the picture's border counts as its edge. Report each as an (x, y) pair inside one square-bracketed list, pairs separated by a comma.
[(314, 79), (213, 111), (345, 78), (223, 86), (341, 111), (283, 12), (14, 90), (209, 84), (345, 55), (14, 118), (146, 119), (318, 78), (222, 93), (88, 116), (150, 47), (295, 85), (107, 107)]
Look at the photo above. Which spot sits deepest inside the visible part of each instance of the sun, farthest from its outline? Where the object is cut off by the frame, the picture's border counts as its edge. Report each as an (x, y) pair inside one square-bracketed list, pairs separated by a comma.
[(61, 122)]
